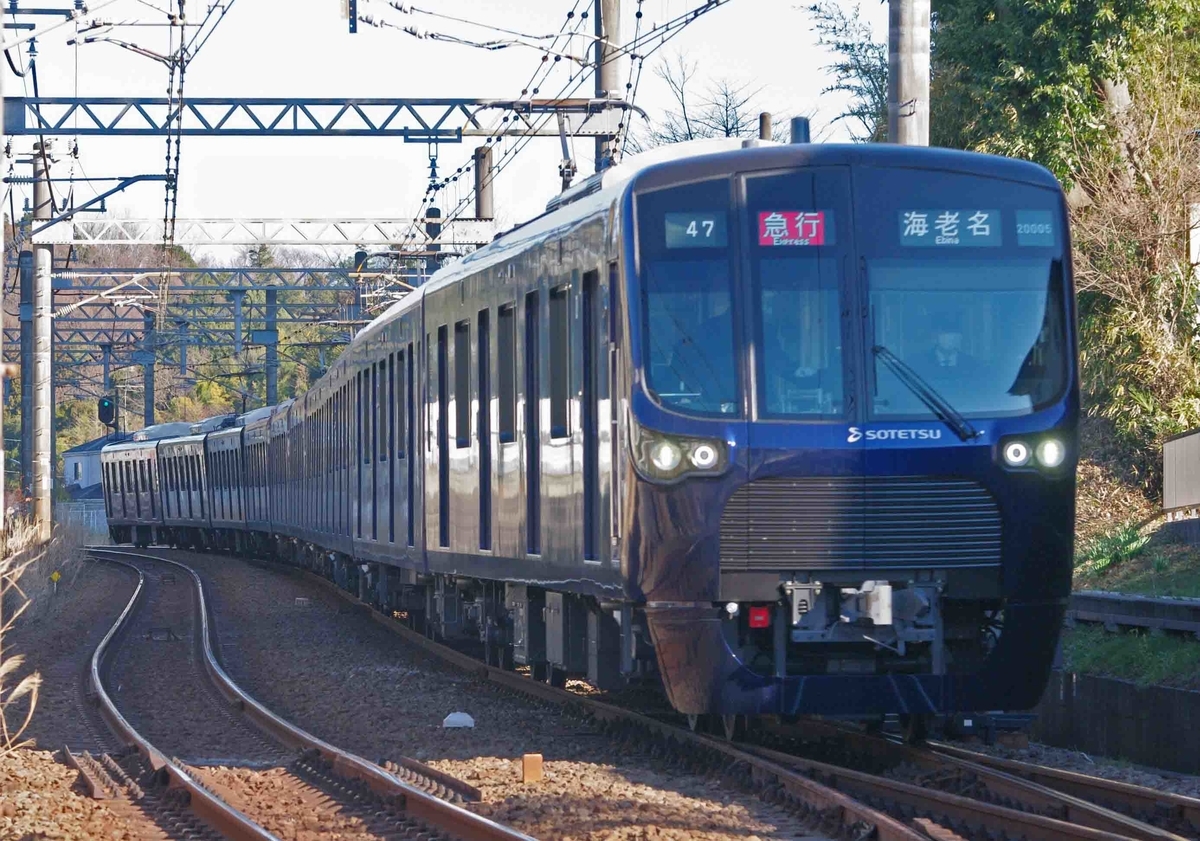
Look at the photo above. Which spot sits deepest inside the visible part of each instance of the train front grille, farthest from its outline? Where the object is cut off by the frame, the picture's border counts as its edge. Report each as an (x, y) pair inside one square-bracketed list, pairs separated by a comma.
[(851, 522)]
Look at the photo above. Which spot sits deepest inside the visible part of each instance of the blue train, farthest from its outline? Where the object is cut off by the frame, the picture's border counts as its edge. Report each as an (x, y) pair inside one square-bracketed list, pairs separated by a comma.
[(794, 426)]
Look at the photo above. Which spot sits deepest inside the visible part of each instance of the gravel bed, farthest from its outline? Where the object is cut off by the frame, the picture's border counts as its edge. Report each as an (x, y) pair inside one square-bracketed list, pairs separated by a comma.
[(328, 667), (1096, 766), (59, 644), (39, 799), (158, 682), (286, 807)]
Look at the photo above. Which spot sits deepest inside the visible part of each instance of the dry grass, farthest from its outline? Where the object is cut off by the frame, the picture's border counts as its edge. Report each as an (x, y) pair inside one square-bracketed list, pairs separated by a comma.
[(27, 590)]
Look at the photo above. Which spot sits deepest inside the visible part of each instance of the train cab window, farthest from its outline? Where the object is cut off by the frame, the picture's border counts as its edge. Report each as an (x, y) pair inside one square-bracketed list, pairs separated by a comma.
[(796, 247), (560, 361), (462, 384), (973, 300), (687, 300), (506, 372)]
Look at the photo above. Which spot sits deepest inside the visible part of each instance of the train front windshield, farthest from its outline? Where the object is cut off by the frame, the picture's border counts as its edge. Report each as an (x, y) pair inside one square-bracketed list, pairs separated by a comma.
[(957, 279)]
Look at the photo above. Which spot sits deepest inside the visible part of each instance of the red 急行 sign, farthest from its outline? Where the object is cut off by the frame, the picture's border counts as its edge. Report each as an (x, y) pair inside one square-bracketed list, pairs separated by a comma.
[(791, 227)]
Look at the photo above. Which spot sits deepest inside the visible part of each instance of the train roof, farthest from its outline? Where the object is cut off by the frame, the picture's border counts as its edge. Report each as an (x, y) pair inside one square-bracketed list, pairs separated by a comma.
[(162, 430)]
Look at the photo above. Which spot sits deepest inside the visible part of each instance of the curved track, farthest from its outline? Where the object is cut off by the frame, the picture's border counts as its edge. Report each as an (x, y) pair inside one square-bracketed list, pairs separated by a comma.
[(970, 800), (323, 784)]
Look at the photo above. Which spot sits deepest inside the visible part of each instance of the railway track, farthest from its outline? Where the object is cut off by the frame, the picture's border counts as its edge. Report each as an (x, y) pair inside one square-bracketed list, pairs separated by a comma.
[(947, 797), (288, 782)]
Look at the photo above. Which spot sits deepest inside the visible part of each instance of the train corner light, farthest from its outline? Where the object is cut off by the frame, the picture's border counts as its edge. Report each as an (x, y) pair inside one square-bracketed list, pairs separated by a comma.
[(106, 411), (760, 617)]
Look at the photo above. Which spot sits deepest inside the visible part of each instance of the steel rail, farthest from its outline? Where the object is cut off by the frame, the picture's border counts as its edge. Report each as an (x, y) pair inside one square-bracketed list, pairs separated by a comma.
[(766, 773), (1124, 797), (820, 779), (208, 807), (416, 803), (1004, 787)]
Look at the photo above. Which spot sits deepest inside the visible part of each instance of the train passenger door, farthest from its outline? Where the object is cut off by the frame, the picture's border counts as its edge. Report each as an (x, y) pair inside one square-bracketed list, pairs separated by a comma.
[(805, 358)]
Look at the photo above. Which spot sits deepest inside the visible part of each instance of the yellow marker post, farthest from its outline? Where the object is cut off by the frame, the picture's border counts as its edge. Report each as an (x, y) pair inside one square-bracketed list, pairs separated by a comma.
[(55, 576)]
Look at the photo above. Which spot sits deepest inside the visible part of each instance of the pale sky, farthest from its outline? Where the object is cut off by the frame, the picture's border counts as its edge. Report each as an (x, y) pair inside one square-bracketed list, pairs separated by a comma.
[(303, 48)]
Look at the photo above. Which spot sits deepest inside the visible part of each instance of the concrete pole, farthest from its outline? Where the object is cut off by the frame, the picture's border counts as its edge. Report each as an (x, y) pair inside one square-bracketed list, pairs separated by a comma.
[(3, 283), (43, 402), (434, 230), (238, 296), (608, 67), (484, 205), (908, 72), (149, 342), (25, 272), (183, 346), (764, 125), (106, 362), (272, 348)]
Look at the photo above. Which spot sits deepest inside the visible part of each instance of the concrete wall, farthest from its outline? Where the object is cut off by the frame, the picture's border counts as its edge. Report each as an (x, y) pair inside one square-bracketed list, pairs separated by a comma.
[(88, 465)]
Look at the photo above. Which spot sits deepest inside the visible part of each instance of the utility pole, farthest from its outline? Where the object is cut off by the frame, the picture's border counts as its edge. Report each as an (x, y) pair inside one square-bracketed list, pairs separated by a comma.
[(25, 279), (608, 68), (908, 72), (484, 206), (43, 401), (150, 351)]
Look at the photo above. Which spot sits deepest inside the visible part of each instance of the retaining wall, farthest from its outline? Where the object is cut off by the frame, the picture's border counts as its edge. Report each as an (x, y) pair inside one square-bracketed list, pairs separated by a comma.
[(1150, 725)]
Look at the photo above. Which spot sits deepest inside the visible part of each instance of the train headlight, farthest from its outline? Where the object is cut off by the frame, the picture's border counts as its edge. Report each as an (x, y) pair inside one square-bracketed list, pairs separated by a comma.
[(666, 458), (703, 456), (1051, 452), (1016, 454)]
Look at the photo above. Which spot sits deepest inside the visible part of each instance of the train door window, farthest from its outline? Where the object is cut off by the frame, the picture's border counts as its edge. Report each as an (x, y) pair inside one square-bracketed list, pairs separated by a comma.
[(391, 448), (382, 410), (613, 438), (462, 384), (374, 413), (401, 408), (484, 427), (443, 442), (560, 361), (198, 467), (591, 443), (533, 461), (360, 426), (150, 476), (411, 401), (506, 372)]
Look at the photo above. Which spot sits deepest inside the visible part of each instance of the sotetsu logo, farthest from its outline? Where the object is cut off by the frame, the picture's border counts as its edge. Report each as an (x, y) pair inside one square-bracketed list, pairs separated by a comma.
[(857, 435)]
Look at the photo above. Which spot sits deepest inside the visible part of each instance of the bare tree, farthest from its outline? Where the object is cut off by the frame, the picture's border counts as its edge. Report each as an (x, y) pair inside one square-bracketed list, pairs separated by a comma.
[(721, 108)]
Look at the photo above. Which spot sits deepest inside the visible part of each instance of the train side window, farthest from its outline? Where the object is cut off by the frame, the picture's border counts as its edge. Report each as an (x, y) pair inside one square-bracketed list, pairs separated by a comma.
[(506, 371), (462, 384), (560, 361)]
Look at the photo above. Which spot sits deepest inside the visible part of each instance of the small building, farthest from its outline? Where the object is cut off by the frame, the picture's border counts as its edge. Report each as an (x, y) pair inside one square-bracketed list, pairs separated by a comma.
[(81, 466)]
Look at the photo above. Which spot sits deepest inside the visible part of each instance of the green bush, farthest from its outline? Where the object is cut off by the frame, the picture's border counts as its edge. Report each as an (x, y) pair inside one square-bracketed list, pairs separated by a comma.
[(1124, 543)]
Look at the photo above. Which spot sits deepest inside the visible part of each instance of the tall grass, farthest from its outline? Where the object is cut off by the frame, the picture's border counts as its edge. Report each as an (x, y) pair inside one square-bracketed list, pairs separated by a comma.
[(22, 553), (1121, 544)]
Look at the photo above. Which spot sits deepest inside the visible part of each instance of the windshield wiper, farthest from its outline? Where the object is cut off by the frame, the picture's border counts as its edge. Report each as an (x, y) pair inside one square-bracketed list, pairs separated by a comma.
[(918, 386)]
